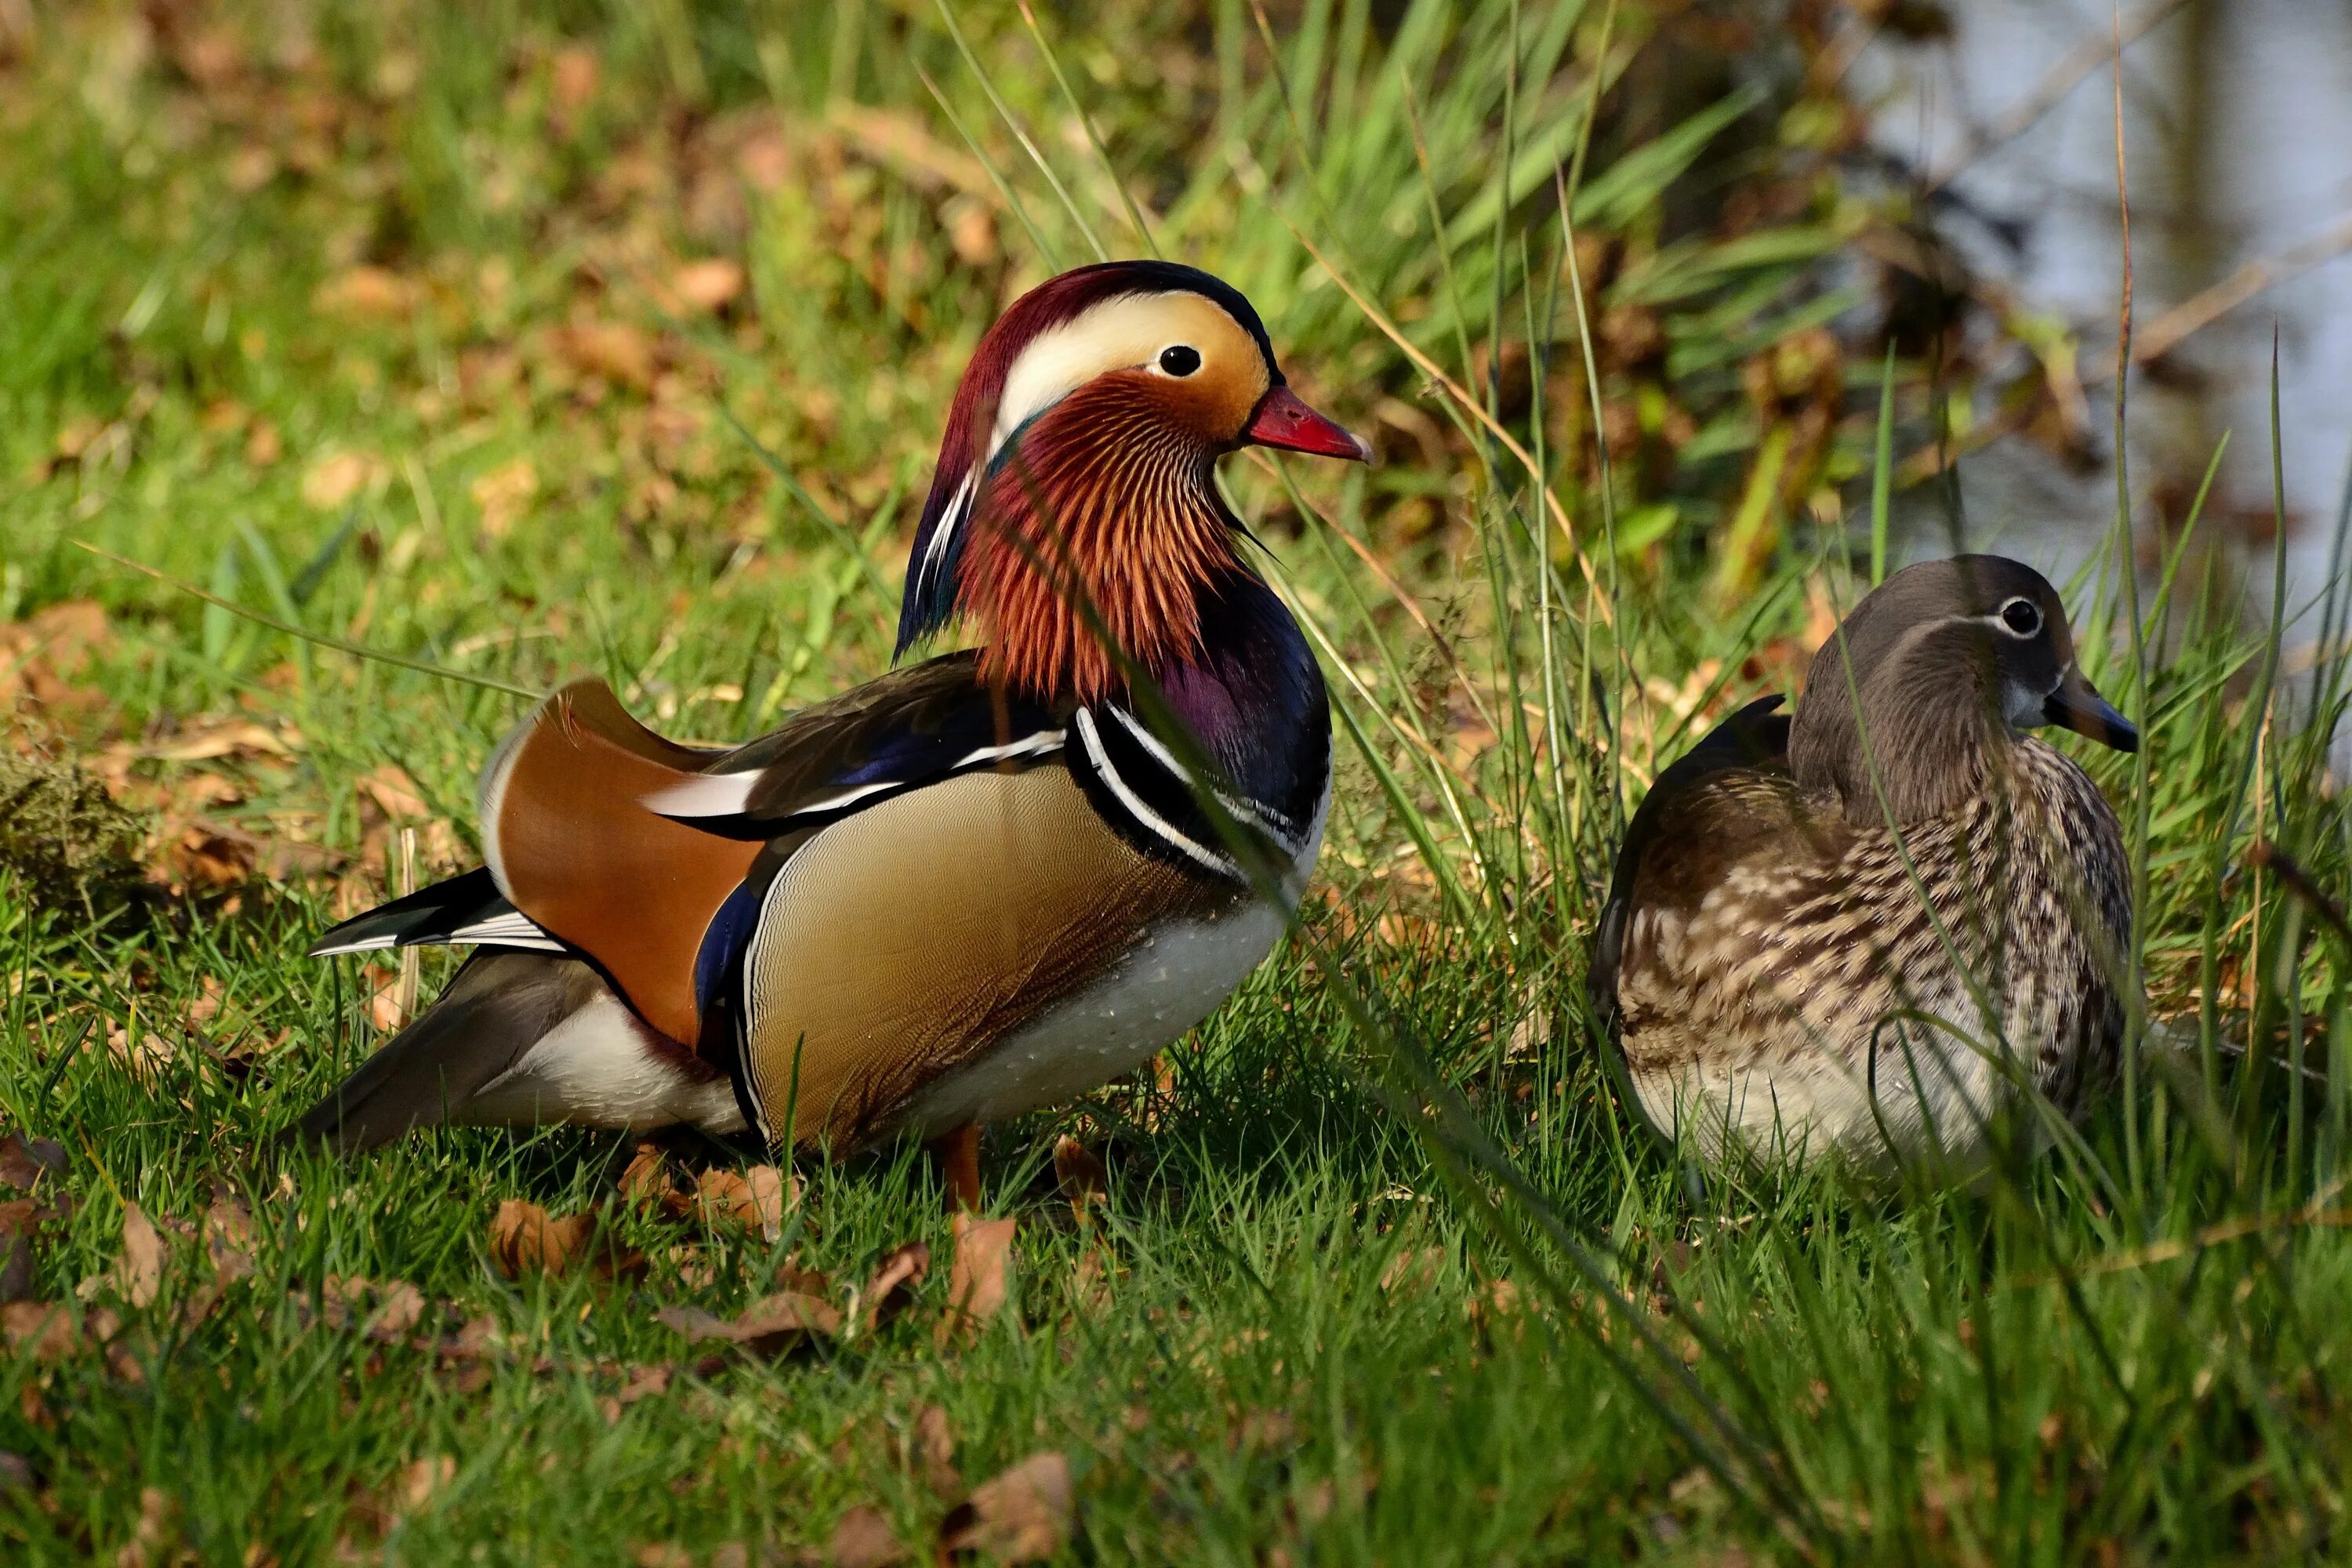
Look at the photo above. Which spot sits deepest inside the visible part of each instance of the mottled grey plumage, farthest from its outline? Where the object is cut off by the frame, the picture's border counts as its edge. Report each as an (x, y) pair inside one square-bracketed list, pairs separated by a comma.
[(1872, 924)]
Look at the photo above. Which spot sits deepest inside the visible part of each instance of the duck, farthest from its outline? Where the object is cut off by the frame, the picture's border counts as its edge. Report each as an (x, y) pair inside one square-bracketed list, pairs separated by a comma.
[(1872, 931), (977, 885)]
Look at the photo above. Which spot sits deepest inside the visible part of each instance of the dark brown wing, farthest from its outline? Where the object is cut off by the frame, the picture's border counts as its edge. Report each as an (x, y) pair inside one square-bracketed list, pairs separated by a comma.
[(1703, 813)]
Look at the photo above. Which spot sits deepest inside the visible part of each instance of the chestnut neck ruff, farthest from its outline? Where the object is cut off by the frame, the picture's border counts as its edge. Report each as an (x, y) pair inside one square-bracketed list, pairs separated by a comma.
[(1097, 532)]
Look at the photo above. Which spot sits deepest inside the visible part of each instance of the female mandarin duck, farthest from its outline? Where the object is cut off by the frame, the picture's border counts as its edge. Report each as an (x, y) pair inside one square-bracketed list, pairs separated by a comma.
[(1860, 931), (969, 889)]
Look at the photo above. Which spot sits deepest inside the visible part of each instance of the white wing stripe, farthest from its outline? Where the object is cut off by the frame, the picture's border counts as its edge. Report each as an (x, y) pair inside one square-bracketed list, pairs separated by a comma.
[(1038, 745), (707, 794), (729, 794)]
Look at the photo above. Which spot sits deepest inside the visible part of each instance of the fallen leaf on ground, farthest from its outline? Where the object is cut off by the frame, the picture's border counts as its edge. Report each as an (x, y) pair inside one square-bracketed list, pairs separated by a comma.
[(768, 1326), (524, 1240), (152, 1538), (1080, 1174), (395, 792), (48, 1330), (138, 1273), (616, 351), (932, 1452), (337, 478), (759, 1196), (709, 285), (894, 1278), (421, 1479), (371, 292), (44, 1330), (645, 1383), (975, 1275), (19, 1221), (208, 740), (646, 1184), (1021, 1516), (504, 494), (1417, 1270), (23, 1162), (229, 1238), (399, 1310), (864, 1539), (664, 1555)]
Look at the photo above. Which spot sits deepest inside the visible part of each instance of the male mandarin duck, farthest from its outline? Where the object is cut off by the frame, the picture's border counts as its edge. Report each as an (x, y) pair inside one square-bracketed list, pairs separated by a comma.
[(1859, 932), (974, 887)]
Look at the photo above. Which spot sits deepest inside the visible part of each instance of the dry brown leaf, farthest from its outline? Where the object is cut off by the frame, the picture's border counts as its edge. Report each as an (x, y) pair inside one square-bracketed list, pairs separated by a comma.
[(228, 1236), (206, 740), (759, 1196), (709, 284), (864, 1539), (138, 1273), (901, 1269), (772, 1191), (1021, 1516), (524, 1240), (150, 1542), (645, 1383), (25, 1162), (395, 792), (398, 1310), (44, 1330), (616, 351), (208, 855), (1080, 1174), (647, 1183), (1418, 1270), (369, 291), (664, 1555), (19, 1219), (975, 1275), (932, 1452), (573, 76), (505, 494), (772, 1324), (420, 1481), (335, 479)]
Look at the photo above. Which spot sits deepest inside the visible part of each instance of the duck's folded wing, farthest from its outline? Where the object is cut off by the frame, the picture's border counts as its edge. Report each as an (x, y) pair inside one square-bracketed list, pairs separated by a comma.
[(635, 851), (911, 728), (1750, 745)]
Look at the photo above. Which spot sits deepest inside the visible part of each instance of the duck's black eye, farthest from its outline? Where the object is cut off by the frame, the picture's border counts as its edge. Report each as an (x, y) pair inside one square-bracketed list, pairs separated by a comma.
[(1181, 360), (2021, 617)]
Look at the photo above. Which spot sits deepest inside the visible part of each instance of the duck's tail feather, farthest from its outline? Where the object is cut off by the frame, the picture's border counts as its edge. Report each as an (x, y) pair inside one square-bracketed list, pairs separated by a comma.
[(463, 910), (499, 1007)]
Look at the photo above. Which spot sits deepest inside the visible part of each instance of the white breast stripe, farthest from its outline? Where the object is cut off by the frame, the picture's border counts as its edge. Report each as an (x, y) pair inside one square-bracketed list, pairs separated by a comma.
[(1140, 812), (1266, 817)]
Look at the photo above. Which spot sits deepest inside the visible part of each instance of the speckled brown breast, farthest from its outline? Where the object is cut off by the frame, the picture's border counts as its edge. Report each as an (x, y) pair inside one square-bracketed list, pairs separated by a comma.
[(1787, 975)]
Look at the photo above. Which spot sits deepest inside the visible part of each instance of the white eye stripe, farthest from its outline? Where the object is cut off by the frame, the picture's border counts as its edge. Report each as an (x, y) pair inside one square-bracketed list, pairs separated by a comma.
[(1123, 332)]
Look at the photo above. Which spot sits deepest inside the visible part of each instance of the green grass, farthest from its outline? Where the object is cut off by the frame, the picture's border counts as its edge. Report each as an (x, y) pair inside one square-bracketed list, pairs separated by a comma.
[(290, 311)]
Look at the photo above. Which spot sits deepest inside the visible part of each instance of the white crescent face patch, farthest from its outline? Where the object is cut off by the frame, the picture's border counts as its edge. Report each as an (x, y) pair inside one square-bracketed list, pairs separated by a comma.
[(1123, 333)]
